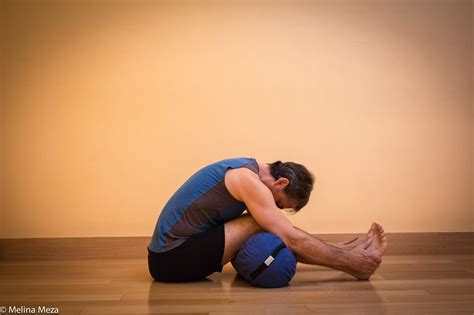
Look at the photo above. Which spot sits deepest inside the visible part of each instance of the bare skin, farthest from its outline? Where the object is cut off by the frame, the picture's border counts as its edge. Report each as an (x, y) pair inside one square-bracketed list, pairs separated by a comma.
[(376, 232), (362, 253), (380, 243), (264, 195), (236, 233)]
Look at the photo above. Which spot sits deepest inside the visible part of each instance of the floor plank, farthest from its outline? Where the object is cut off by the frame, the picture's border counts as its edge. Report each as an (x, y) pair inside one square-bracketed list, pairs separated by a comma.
[(409, 284)]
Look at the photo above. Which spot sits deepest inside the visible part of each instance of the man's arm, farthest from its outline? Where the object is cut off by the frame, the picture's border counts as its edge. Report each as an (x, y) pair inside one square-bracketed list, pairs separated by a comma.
[(247, 187)]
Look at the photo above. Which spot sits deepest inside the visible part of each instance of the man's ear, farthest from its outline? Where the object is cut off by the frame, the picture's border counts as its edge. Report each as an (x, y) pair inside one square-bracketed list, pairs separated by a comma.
[(282, 181)]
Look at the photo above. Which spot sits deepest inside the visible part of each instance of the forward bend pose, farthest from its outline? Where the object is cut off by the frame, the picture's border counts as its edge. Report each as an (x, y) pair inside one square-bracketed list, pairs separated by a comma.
[(203, 225)]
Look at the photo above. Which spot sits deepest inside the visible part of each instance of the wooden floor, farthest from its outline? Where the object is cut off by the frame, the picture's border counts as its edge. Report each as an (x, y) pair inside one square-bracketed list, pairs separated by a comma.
[(403, 285)]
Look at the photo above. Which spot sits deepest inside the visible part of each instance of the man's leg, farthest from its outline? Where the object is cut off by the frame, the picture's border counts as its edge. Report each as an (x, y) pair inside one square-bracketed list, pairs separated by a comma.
[(236, 233), (239, 230)]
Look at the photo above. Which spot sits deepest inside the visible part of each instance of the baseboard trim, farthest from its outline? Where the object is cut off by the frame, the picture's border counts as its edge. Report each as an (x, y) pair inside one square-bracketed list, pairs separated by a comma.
[(452, 243)]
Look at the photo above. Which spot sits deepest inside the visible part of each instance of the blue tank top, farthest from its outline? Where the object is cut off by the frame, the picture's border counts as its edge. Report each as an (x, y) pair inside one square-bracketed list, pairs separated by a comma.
[(203, 201)]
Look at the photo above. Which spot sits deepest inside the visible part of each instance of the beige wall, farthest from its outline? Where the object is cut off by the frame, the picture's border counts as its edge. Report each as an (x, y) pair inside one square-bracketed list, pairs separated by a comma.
[(472, 107), (110, 106)]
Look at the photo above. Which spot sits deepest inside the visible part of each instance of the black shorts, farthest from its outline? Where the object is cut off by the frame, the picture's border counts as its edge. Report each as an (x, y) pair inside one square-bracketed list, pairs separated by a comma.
[(198, 257)]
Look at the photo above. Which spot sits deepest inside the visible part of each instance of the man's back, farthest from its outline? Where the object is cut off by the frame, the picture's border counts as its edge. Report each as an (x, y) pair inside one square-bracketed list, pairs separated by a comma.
[(201, 202)]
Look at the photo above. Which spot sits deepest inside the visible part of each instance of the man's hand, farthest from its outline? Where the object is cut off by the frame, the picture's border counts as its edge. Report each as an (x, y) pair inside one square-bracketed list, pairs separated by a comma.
[(362, 263)]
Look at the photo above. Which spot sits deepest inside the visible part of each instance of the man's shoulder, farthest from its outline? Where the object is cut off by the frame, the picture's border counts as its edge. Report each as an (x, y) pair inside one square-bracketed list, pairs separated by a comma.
[(240, 179), (240, 173)]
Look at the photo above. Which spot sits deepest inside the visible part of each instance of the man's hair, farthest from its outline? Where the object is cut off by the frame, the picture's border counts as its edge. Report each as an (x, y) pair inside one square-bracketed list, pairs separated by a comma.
[(300, 181)]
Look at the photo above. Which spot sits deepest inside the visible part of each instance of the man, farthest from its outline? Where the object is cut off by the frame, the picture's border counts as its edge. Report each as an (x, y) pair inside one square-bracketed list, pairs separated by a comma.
[(202, 226)]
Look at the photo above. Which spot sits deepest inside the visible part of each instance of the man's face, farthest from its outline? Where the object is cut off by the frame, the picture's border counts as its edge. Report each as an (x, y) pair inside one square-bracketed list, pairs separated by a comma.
[(282, 200)]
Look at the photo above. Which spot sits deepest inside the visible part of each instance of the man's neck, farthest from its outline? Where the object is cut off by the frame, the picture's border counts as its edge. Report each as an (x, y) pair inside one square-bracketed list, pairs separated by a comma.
[(264, 173)]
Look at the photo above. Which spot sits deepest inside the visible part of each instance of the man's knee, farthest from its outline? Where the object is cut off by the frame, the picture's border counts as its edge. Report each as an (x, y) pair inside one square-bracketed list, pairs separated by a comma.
[(237, 232)]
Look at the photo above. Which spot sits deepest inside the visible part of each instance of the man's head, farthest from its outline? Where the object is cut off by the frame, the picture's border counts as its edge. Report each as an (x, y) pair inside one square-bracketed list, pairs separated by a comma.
[(292, 186)]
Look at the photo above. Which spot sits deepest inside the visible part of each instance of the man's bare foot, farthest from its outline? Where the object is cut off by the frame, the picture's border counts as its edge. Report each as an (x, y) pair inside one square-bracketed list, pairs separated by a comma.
[(369, 249), (353, 243), (379, 243)]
